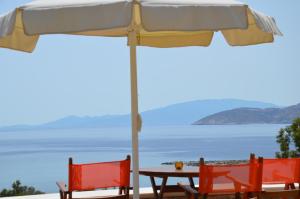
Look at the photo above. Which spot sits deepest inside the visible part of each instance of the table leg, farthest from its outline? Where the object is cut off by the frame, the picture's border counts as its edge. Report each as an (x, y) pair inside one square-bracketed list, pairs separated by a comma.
[(192, 182), (154, 187), (163, 184)]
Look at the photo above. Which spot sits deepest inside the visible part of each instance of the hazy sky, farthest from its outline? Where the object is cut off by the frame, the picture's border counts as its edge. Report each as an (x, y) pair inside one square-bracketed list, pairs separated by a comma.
[(76, 75)]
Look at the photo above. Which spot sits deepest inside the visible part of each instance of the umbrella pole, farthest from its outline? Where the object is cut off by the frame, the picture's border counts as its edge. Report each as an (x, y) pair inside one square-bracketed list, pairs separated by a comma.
[(134, 121)]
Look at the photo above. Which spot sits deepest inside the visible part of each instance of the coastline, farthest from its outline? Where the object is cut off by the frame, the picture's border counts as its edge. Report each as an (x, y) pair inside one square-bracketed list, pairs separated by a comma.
[(209, 162)]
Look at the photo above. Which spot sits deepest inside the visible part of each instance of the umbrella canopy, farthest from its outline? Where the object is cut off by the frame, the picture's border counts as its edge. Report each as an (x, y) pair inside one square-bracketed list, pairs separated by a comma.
[(155, 23), (159, 23)]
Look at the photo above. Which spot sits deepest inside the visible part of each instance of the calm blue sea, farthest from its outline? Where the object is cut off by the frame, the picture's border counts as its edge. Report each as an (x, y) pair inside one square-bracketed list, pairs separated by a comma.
[(40, 158)]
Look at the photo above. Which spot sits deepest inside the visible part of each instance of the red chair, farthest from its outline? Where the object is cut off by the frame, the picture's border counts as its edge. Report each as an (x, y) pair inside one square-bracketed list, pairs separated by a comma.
[(87, 177), (281, 171), (222, 180)]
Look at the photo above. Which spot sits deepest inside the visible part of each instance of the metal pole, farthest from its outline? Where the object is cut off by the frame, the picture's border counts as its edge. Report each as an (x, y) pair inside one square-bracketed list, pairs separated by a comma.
[(134, 121)]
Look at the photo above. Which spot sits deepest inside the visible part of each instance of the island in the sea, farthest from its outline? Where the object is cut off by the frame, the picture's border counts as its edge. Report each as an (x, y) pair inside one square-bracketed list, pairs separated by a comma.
[(176, 114), (252, 116)]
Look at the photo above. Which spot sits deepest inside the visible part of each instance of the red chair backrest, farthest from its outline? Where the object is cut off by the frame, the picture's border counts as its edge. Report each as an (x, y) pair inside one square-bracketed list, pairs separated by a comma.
[(230, 178), (281, 171), (83, 177)]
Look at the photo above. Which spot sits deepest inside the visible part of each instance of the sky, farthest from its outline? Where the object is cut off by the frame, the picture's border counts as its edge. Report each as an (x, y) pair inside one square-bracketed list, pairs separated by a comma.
[(77, 75)]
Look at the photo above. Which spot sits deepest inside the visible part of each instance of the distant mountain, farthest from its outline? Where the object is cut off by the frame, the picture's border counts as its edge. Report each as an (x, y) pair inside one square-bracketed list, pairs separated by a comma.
[(253, 116), (176, 114), (188, 112)]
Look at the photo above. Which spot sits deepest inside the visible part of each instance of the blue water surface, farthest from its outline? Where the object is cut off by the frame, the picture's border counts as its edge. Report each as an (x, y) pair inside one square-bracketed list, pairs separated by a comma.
[(40, 158)]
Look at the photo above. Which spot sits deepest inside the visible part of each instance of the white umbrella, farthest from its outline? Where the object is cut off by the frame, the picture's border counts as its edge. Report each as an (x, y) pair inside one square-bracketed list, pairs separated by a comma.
[(156, 23)]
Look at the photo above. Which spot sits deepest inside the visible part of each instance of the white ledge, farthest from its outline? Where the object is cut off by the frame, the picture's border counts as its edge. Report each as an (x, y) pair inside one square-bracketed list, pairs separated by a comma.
[(145, 193)]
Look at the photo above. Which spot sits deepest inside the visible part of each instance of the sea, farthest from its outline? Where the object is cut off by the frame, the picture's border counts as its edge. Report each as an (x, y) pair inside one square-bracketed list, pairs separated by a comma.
[(39, 158)]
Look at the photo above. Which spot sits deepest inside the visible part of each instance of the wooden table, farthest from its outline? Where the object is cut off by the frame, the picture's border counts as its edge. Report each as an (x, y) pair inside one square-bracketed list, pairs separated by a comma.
[(168, 171)]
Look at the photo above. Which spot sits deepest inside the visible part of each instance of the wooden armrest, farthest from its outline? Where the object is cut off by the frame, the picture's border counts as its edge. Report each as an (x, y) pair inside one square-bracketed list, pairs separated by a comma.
[(62, 186), (235, 181), (189, 191), (284, 178), (219, 174)]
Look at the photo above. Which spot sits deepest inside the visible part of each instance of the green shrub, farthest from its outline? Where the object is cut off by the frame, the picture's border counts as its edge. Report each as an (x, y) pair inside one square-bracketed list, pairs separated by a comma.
[(289, 137), (19, 190)]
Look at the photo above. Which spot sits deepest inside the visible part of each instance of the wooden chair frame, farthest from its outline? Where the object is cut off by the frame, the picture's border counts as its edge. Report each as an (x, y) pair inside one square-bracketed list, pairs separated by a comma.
[(192, 193), (289, 191), (67, 194)]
